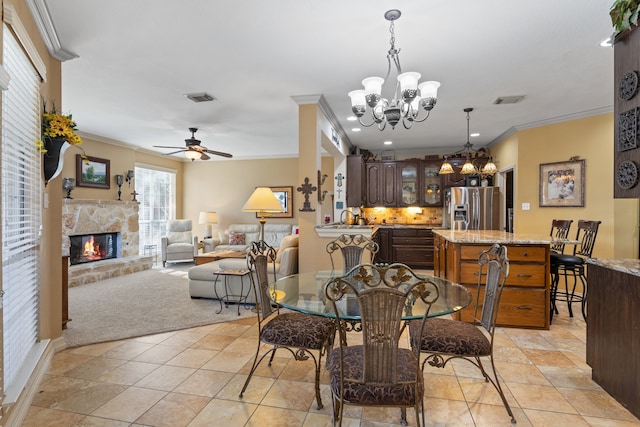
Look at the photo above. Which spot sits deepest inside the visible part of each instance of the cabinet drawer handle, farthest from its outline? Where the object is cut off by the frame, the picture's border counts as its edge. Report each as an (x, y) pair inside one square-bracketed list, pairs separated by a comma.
[(524, 275), (524, 307), (525, 254)]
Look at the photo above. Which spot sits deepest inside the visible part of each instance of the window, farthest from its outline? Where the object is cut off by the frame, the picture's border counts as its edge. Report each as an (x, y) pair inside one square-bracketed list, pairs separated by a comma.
[(157, 196), (21, 217)]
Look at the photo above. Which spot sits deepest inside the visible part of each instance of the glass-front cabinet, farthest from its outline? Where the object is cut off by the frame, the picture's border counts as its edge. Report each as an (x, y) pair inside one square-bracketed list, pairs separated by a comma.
[(409, 184), (431, 185)]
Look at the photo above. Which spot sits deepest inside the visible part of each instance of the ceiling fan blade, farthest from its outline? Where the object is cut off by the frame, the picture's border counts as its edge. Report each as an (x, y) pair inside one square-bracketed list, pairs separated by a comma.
[(218, 153), (175, 152), (203, 156), (167, 146)]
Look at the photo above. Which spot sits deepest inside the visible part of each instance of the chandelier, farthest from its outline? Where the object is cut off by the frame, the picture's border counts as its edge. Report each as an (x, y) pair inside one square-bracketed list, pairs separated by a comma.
[(468, 168), (405, 107)]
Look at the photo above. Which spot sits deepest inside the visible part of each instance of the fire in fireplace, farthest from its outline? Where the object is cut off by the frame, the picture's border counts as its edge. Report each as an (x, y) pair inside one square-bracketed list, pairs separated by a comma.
[(93, 247)]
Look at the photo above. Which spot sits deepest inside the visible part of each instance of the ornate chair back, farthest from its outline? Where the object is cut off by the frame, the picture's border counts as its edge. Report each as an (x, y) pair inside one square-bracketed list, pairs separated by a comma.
[(494, 265), (259, 258), (559, 230), (352, 248), (587, 232)]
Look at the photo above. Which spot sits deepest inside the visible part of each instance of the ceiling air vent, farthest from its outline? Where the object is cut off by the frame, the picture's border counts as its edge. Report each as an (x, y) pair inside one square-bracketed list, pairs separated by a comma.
[(508, 99), (200, 97)]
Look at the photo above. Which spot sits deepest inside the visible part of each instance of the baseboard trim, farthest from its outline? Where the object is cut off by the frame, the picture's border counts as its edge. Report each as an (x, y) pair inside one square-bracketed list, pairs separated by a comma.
[(17, 412)]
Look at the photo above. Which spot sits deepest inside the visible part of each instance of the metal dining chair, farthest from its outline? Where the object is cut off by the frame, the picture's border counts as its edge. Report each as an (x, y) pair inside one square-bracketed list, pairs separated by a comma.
[(443, 340), (300, 334), (377, 372)]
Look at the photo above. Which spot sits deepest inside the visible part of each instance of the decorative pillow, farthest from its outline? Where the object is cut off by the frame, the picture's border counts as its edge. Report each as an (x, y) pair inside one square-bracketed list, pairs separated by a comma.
[(237, 238)]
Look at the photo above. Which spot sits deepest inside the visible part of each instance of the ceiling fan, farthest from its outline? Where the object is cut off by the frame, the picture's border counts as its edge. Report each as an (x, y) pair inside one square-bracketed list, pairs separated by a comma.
[(193, 149)]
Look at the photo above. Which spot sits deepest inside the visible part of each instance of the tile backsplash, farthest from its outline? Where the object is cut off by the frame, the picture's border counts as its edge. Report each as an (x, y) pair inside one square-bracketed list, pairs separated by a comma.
[(431, 216)]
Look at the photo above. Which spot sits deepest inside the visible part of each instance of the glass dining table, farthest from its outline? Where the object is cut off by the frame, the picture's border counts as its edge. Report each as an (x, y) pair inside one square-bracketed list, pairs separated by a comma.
[(304, 292)]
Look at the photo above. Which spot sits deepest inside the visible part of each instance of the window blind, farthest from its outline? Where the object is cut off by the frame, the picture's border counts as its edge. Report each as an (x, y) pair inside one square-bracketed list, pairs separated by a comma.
[(21, 207)]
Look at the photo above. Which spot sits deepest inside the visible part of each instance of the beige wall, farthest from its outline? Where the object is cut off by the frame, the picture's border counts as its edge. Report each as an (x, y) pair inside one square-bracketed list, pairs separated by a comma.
[(592, 140)]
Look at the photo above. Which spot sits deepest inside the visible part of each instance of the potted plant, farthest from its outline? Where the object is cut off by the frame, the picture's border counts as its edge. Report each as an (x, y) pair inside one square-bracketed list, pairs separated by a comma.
[(624, 14), (58, 132)]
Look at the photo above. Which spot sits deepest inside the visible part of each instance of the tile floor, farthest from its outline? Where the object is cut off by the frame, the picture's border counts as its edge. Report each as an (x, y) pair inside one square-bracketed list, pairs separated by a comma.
[(193, 377)]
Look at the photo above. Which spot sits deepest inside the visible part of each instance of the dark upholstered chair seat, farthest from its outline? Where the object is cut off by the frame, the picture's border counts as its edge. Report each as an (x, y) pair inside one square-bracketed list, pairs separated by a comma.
[(401, 393), (297, 330), (450, 336), (566, 259)]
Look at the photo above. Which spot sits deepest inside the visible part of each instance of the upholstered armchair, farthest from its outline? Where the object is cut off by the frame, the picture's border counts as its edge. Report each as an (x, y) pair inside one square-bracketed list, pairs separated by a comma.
[(179, 244)]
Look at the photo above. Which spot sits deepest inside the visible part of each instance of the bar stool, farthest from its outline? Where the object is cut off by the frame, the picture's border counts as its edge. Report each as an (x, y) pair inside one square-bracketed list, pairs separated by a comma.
[(559, 232), (574, 265)]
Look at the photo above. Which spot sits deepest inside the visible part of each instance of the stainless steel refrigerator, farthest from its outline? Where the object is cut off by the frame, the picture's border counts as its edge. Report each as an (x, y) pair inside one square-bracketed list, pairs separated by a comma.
[(472, 208)]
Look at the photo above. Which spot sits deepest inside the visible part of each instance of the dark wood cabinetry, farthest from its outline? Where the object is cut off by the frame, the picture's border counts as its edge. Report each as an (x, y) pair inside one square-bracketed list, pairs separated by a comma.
[(613, 324), (411, 246), (455, 179), (355, 181), (381, 184)]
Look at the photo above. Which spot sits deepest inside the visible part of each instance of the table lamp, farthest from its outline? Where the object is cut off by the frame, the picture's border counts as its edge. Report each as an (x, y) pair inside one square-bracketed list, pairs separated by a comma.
[(261, 201), (208, 218)]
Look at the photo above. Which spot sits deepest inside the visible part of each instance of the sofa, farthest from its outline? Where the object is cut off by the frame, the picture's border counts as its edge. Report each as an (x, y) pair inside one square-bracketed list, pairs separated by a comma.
[(238, 237), (202, 278)]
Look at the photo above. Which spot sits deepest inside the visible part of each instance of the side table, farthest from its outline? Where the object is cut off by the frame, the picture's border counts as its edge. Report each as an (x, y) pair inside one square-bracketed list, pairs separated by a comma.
[(236, 298)]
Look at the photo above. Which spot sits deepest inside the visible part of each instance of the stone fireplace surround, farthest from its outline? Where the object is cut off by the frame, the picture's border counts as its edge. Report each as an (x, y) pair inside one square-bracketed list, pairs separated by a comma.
[(86, 216)]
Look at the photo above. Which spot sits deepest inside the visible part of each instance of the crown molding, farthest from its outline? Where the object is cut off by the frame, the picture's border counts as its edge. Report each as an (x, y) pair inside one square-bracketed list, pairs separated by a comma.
[(47, 30)]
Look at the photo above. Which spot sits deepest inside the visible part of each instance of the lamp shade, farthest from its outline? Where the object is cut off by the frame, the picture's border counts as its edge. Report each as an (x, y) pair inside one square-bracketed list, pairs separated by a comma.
[(208, 218), (262, 200), (192, 154)]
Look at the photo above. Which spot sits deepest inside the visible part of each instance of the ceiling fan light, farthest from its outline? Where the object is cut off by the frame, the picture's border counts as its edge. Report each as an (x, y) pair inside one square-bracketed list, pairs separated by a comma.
[(192, 154)]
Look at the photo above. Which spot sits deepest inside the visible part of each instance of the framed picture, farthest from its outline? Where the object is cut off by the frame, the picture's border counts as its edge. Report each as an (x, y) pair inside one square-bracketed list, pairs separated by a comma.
[(562, 184), (285, 196), (93, 172)]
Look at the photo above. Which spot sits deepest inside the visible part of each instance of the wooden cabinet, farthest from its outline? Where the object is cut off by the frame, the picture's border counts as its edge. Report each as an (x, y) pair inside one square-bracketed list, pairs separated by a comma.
[(412, 246), (381, 184), (613, 324), (525, 298), (410, 184), (355, 187), (431, 186), (383, 238)]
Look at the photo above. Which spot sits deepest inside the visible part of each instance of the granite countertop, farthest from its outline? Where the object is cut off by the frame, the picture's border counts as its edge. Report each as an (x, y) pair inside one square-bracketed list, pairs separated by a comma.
[(630, 266), (493, 236)]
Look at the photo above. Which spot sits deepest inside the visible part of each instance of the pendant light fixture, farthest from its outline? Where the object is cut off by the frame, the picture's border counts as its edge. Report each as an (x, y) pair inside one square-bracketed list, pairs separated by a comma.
[(409, 96), (468, 168)]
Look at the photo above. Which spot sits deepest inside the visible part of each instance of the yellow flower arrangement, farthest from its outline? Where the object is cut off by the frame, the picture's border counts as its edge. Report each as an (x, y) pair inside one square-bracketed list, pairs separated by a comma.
[(55, 125)]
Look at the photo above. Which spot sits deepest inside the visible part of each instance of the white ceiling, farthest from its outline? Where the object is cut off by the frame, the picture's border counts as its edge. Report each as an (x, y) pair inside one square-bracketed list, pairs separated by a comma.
[(137, 59)]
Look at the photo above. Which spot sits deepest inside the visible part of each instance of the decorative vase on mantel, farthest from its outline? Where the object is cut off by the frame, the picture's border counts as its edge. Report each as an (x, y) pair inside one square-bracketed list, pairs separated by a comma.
[(52, 160)]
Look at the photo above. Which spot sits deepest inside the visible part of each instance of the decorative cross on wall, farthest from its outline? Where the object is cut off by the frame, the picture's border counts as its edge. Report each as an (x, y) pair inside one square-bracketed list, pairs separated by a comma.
[(307, 189), (134, 194)]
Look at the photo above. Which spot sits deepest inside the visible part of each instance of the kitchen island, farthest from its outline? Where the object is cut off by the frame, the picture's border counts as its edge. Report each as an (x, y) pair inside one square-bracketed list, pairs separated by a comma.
[(613, 328), (525, 298)]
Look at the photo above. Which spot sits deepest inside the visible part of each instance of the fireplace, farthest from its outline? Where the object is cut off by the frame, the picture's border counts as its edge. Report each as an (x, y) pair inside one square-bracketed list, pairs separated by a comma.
[(94, 247)]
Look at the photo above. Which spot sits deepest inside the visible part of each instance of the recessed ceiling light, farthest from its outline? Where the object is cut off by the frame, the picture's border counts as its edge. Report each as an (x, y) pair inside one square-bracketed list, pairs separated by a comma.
[(388, 142), (352, 118), (608, 42), (356, 130), (474, 135)]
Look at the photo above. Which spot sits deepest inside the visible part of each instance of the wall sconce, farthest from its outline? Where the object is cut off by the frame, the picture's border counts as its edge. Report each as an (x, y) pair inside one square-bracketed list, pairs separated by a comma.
[(129, 177), (68, 184), (119, 182), (324, 194), (321, 180)]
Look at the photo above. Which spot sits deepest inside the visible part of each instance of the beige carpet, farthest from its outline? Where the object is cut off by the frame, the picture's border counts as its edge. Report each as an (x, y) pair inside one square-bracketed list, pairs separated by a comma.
[(143, 303)]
